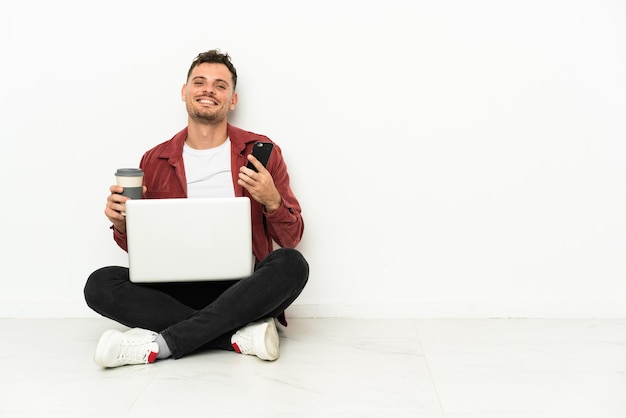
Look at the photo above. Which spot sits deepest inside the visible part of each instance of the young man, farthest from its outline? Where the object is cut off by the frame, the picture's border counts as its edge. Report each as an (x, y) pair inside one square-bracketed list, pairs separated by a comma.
[(206, 159)]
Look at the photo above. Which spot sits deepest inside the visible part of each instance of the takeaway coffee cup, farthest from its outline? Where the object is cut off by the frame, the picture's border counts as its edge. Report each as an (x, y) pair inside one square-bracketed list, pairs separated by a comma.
[(131, 179)]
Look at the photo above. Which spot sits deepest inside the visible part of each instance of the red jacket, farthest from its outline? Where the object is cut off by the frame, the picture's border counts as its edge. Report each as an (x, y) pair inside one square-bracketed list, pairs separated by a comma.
[(164, 177)]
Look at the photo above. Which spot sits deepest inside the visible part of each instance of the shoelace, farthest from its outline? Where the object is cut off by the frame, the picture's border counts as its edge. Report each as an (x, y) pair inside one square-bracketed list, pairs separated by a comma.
[(135, 350), (245, 343)]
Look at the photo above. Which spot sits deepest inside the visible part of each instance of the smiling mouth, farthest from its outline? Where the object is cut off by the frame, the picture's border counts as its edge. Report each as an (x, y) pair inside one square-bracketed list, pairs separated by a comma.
[(207, 101)]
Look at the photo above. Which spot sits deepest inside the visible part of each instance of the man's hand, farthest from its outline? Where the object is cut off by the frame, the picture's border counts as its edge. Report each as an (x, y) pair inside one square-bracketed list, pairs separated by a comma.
[(260, 185), (116, 205)]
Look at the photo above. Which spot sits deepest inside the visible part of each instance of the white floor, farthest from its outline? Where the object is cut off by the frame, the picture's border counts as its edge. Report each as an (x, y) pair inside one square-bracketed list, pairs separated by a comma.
[(330, 368)]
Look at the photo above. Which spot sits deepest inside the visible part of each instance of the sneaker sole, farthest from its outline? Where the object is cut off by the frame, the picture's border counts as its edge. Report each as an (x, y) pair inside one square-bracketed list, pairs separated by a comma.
[(268, 347), (101, 347)]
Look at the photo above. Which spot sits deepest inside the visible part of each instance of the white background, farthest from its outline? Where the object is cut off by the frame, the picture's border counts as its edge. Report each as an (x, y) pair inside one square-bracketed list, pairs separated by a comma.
[(453, 158)]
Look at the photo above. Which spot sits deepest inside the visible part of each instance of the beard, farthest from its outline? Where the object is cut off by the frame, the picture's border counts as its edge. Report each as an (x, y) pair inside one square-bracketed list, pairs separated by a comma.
[(205, 117)]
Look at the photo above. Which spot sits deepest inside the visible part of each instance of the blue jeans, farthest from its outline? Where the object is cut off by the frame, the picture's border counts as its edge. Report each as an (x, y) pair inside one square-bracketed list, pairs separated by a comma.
[(199, 315)]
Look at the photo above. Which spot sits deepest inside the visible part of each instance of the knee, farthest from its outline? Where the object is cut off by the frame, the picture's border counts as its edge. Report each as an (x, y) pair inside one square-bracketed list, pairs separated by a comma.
[(294, 264), (97, 285)]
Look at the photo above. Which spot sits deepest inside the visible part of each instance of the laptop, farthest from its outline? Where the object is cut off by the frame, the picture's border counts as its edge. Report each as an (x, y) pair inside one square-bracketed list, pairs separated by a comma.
[(185, 240)]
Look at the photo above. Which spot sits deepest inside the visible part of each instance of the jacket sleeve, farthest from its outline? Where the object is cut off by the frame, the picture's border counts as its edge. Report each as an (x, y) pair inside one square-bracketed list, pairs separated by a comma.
[(120, 239), (285, 225)]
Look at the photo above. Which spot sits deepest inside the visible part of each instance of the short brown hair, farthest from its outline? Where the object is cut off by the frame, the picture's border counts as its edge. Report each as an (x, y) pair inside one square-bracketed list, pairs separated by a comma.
[(214, 56)]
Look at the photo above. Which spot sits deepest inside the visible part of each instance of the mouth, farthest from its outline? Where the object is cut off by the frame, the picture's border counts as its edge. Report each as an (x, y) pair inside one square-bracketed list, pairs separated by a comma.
[(207, 101)]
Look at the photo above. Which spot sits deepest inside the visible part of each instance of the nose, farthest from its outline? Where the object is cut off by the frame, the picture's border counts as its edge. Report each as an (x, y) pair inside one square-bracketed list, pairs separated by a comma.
[(208, 89)]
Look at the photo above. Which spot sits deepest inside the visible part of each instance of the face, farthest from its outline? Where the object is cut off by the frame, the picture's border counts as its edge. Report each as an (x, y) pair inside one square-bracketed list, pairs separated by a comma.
[(209, 93)]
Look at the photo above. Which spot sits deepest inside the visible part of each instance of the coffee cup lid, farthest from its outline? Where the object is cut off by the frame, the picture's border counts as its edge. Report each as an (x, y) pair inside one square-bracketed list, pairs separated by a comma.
[(129, 172)]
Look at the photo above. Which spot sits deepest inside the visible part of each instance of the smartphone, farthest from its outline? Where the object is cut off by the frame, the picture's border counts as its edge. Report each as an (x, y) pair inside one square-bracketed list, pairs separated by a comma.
[(261, 151)]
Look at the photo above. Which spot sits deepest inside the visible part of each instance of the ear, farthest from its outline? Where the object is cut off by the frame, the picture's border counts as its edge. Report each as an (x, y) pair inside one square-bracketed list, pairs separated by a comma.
[(183, 92), (233, 101)]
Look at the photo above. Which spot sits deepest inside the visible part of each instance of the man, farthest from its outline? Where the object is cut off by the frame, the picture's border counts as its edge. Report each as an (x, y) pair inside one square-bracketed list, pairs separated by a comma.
[(206, 159)]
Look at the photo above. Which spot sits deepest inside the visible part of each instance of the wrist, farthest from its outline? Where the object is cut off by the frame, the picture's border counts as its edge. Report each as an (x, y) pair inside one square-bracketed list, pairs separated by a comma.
[(271, 207)]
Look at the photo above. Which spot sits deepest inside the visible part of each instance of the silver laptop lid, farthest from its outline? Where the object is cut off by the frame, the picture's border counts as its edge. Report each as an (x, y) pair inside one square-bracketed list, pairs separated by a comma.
[(173, 240)]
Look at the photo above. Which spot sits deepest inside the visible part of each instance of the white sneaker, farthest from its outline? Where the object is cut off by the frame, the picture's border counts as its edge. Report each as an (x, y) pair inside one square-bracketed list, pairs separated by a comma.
[(137, 346), (258, 339)]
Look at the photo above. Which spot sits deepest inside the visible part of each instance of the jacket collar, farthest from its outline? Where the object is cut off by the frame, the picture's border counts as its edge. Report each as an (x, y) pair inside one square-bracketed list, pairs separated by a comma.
[(173, 149)]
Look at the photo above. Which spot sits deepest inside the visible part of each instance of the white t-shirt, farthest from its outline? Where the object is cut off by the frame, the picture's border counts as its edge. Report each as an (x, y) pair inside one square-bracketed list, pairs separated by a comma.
[(208, 171)]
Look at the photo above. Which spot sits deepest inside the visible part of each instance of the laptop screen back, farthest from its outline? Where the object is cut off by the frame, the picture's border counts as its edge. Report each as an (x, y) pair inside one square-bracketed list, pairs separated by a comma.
[(172, 240)]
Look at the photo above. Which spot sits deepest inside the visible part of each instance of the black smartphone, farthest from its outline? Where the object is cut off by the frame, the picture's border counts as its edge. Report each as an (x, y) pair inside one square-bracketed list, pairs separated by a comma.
[(261, 151)]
